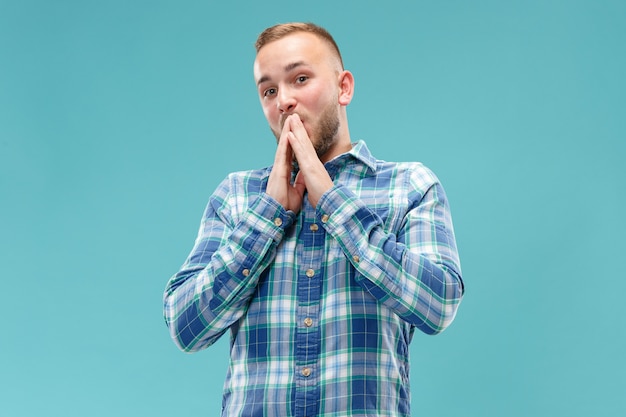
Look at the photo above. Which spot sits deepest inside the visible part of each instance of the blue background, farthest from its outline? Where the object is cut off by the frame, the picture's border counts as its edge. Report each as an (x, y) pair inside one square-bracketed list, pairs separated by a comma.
[(119, 118)]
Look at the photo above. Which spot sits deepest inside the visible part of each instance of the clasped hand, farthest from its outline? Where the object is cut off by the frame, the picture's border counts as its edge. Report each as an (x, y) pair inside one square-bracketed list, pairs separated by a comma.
[(312, 177)]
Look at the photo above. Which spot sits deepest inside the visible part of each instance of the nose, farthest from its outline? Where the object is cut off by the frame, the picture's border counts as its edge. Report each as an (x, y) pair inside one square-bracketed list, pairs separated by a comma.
[(286, 101)]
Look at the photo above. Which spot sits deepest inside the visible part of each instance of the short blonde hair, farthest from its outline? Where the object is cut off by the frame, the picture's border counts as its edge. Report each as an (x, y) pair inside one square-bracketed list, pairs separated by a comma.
[(279, 31)]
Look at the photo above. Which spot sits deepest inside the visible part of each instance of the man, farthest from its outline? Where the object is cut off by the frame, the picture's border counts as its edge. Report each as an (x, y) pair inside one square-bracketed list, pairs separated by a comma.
[(322, 265)]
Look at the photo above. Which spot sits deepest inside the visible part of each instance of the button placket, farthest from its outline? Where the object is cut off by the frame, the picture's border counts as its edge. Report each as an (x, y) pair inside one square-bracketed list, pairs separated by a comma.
[(310, 249)]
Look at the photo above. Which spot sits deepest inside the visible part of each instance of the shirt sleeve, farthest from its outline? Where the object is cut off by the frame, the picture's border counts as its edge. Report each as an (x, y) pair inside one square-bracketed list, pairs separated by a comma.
[(214, 285), (414, 271)]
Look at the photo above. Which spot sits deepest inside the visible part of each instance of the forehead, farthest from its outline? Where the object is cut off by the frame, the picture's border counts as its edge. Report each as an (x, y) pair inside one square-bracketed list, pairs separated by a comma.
[(302, 47)]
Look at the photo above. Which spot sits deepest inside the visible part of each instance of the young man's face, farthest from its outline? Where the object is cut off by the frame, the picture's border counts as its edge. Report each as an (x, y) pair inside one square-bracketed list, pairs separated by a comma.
[(300, 74)]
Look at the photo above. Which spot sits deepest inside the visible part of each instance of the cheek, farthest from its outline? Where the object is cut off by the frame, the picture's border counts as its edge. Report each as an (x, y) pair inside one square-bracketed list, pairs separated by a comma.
[(323, 99)]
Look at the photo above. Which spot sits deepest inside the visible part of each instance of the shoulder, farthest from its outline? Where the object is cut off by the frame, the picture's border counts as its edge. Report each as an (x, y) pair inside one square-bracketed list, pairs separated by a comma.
[(235, 193), (412, 174), (245, 181), (238, 188)]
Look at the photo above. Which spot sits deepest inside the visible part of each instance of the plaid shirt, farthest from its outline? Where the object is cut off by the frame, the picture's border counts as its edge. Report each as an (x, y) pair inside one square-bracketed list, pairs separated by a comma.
[(321, 305)]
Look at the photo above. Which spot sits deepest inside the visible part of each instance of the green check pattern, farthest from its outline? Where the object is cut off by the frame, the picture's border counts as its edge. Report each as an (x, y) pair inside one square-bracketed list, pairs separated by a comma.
[(321, 305)]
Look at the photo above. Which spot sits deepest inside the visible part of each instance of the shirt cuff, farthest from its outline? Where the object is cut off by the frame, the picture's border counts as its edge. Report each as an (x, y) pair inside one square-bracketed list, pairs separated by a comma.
[(337, 207), (268, 217)]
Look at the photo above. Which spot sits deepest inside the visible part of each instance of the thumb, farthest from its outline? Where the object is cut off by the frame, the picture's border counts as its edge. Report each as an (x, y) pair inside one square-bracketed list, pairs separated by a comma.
[(299, 183)]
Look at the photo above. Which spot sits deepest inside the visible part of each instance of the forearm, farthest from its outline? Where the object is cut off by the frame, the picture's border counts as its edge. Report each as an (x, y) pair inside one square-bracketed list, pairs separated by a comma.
[(213, 288), (414, 271)]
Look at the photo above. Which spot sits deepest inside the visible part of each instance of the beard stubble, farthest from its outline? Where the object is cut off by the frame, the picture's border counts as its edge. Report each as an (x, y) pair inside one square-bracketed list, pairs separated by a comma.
[(324, 132)]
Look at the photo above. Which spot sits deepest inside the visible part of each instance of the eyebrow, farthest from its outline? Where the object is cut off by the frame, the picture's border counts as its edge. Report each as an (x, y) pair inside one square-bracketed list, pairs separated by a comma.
[(288, 67)]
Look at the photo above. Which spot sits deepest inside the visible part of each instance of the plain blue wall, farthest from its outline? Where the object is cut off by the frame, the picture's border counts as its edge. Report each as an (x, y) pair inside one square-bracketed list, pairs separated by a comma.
[(119, 118)]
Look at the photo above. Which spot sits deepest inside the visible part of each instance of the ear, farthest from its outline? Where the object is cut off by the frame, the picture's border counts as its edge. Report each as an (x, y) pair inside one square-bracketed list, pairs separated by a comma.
[(346, 87)]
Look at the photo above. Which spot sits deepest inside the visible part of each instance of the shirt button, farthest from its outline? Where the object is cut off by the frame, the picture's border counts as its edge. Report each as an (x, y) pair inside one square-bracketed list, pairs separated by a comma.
[(314, 227), (310, 273), (325, 218), (278, 221), (245, 272), (356, 258), (306, 372), (308, 322)]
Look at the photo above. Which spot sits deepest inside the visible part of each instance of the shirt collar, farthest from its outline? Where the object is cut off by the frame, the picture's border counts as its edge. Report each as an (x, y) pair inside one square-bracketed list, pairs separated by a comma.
[(359, 151)]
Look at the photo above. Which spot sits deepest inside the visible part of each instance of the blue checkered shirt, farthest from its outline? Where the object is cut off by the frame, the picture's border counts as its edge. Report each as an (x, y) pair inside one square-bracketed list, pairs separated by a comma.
[(321, 305)]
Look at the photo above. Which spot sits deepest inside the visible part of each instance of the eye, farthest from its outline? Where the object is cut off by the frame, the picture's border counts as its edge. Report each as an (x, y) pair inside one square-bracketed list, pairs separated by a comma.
[(269, 92), (301, 79)]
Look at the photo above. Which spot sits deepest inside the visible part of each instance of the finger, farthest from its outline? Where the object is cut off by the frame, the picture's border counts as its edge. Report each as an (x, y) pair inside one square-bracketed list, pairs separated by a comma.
[(297, 126), (303, 150), (313, 173), (283, 156), (308, 161), (299, 184), (302, 137)]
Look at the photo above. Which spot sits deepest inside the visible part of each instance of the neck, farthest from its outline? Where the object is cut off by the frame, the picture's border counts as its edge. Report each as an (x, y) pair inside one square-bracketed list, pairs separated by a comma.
[(342, 145)]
